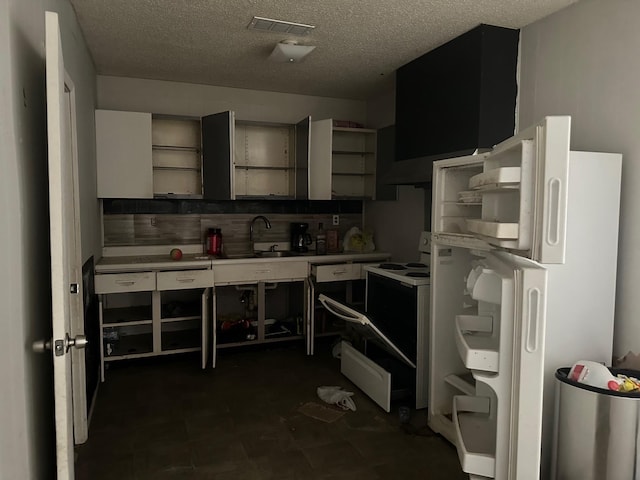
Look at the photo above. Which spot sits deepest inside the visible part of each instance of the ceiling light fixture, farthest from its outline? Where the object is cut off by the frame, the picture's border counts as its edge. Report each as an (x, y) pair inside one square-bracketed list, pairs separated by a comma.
[(289, 51)]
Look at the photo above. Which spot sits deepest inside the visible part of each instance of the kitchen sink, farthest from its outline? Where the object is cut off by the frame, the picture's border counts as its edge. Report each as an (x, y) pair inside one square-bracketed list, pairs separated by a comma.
[(272, 254), (260, 254)]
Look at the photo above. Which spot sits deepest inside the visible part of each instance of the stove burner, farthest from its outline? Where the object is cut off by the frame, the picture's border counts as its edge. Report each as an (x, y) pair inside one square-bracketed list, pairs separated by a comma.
[(416, 265), (418, 274), (392, 266)]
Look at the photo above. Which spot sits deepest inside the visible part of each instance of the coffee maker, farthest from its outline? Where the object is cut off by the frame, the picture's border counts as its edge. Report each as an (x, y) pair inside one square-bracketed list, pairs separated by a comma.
[(299, 237)]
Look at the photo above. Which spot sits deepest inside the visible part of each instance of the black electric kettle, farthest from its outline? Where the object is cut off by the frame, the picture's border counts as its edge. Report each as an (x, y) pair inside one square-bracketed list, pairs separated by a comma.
[(299, 237)]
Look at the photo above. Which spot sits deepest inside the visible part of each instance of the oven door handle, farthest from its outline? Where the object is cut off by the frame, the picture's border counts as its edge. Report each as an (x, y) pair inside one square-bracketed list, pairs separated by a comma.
[(342, 311)]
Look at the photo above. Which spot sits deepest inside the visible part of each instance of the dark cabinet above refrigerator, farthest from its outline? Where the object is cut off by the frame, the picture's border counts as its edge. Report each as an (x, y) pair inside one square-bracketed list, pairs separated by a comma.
[(455, 99)]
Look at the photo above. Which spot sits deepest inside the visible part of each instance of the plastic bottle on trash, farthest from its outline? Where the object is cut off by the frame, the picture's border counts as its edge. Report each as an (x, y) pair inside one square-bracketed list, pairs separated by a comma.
[(594, 374)]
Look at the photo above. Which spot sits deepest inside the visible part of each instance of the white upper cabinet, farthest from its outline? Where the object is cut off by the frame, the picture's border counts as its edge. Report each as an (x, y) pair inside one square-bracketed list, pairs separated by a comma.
[(216, 157), (140, 155), (123, 151), (343, 162), (177, 170), (243, 159)]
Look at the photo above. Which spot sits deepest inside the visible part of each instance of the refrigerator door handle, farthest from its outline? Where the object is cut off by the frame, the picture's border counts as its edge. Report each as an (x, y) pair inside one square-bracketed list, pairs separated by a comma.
[(553, 199), (533, 321)]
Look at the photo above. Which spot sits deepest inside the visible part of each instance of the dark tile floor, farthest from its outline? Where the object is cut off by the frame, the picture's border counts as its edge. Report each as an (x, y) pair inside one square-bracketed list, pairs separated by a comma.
[(167, 419)]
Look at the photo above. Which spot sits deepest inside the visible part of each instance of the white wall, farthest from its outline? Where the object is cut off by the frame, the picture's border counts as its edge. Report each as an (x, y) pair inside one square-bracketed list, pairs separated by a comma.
[(174, 98), (583, 61), (26, 417)]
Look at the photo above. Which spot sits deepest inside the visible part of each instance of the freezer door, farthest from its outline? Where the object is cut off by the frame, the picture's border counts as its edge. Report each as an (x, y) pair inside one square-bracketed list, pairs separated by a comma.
[(367, 327), (514, 197)]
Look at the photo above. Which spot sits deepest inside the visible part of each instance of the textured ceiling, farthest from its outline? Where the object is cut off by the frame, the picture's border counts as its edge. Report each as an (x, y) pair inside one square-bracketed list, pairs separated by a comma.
[(360, 43)]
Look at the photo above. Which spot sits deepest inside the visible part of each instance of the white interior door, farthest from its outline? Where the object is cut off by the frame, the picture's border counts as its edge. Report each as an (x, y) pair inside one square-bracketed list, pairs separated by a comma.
[(63, 237), (73, 237)]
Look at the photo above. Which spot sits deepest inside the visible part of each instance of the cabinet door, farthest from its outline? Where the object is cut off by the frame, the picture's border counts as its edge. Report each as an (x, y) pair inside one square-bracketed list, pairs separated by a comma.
[(303, 153), (123, 154), (342, 164), (320, 161), (218, 138), (214, 323), (206, 303)]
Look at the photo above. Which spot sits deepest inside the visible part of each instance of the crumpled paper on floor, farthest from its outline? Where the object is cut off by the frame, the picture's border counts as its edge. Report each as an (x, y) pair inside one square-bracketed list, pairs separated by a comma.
[(336, 396)]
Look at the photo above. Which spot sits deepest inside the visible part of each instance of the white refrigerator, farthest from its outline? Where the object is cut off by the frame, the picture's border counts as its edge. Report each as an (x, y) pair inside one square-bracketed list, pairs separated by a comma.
[(523, 270)]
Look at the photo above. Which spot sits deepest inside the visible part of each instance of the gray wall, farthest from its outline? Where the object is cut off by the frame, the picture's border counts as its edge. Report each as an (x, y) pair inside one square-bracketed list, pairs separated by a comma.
[(583, 61), (26, 416), (26, 413), (397, 224), (175, 98)]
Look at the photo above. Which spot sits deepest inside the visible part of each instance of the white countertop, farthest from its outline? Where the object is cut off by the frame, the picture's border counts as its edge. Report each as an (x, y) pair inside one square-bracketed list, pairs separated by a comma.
[(137, 263)]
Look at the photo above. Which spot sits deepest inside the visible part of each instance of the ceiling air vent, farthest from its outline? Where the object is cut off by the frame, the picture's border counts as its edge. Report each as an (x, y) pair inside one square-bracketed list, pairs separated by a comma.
[(279, 26)]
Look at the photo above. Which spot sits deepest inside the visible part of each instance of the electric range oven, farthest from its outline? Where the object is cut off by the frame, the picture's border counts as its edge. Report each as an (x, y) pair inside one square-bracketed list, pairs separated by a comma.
[(387, 356)]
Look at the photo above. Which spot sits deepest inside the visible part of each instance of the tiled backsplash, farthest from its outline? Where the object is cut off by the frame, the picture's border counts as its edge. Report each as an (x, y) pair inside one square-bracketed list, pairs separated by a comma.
[(160, 229)]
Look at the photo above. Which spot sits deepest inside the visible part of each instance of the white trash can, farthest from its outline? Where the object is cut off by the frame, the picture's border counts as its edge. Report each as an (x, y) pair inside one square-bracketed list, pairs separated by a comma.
[(596, 431)]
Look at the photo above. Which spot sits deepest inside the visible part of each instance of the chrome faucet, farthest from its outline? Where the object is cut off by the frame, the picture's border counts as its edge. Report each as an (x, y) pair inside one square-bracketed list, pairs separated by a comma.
[(267, 224)]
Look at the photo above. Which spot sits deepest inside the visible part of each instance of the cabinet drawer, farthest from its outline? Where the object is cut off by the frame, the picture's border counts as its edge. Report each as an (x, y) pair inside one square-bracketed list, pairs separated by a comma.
[(125, 282), (184, 279), (266, 271), (335, 273), (367, 375)]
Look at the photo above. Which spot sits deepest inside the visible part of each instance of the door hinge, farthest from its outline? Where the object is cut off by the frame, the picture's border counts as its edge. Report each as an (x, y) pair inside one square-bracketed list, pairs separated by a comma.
[(74, 288)]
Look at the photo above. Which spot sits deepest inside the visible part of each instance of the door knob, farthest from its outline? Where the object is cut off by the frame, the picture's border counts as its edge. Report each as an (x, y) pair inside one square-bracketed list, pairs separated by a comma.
[(41, 346), (79, 341), (61, 346)]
